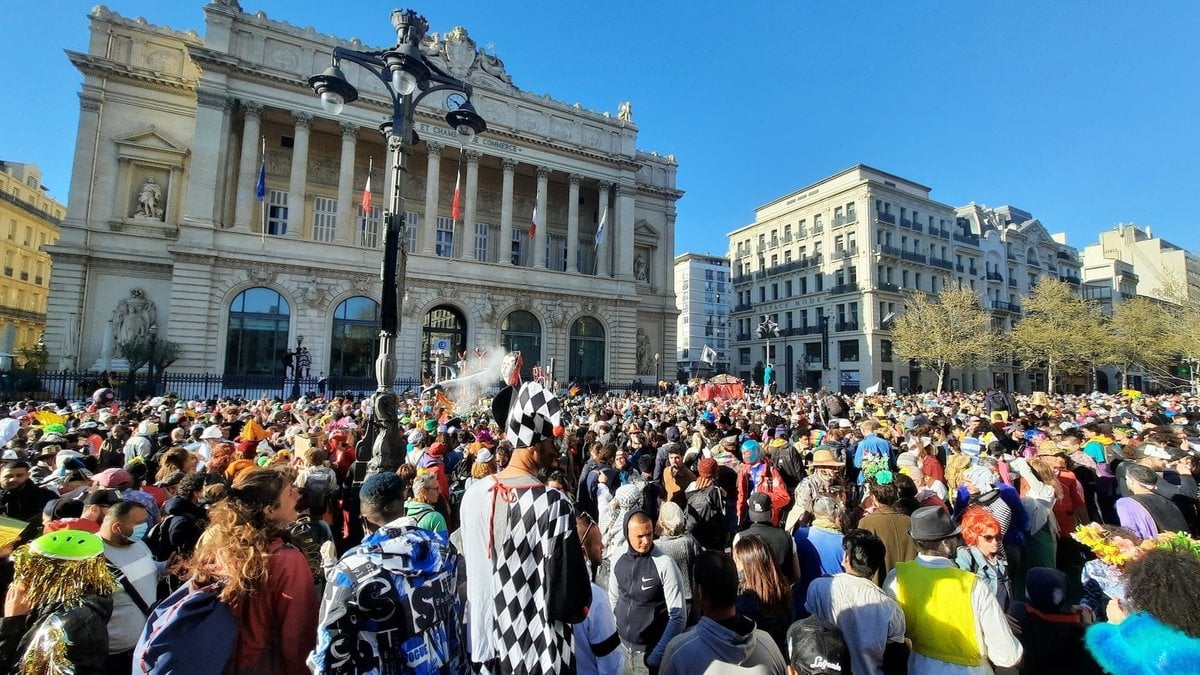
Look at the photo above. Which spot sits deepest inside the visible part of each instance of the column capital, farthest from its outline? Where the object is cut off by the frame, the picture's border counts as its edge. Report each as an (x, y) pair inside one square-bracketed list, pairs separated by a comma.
[(230, 105), (89, 103), (472, 156), (349, 130), (302, 120), (509, 164), (622, 190), (605, 185), (433, 149), (543, 172), (574, 178), (251, 108)]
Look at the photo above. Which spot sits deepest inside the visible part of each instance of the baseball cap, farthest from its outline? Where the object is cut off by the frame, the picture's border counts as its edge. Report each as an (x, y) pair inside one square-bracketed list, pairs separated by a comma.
[(760, 507), (112, 478), (102, 498), (817, 648)]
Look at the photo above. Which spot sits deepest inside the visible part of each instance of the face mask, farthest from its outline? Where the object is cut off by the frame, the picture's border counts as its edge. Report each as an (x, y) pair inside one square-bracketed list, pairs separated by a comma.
[(139, 532)]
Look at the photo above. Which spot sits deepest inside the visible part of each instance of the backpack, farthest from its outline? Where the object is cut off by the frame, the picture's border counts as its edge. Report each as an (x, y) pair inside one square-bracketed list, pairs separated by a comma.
[(321, 485), (835, 406), (997, 401), (158, 540), (706, 512), (192, 632), (308, 535)]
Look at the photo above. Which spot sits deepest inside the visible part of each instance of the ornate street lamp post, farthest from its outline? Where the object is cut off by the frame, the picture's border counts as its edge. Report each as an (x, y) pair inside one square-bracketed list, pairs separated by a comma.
[(408, 78), (766, 330)]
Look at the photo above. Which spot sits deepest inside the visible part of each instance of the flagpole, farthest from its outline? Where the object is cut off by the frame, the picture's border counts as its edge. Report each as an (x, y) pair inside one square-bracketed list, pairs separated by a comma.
[(366, 192), (262, 203)]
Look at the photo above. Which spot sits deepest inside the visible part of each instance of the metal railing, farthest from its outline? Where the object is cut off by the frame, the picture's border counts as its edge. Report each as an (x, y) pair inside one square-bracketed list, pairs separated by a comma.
[(743, 307), (972, 239), (886, 217), (942, 263), (843, 326), (885, 286), (912, 256), (30, 208), (841, 289), (885, 249), (1006, 307), (995, 276)]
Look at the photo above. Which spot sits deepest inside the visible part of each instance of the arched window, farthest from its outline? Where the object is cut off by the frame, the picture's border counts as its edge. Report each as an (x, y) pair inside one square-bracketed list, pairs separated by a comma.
[(443, 322), (258, 333), (355, 343), (521, 331), (587, 350)]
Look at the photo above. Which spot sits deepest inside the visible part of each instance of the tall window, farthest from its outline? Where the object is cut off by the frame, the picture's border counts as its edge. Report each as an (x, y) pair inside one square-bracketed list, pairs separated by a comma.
[(444, 244), (355, 338), (413, 220), (521, 331), (368, 227), (258, 333), (277, 212), (556, 252), (587, 350), (324, 219), (517, 252), (482, 236), (585, 256)]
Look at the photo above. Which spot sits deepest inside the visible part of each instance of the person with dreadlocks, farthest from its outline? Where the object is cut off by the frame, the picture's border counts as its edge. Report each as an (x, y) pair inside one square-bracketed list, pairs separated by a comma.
[(527, 581), (57, 609)]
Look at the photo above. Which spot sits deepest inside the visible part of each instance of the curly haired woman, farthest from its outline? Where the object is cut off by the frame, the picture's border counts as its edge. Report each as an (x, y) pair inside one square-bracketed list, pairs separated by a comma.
[(267, 581)]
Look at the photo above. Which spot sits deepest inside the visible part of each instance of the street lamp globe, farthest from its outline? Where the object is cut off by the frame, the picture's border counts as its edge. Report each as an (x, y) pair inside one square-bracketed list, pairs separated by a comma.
[(332, 102), (403, 81), (334, 90), (466, 121)]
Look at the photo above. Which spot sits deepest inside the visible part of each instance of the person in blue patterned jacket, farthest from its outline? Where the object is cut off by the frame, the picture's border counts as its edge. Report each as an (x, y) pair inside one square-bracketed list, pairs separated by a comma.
[(391, 604)]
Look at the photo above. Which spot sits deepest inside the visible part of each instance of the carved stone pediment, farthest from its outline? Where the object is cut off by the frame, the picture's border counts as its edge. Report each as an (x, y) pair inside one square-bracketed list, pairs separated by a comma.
[(150, 140), (456, 53)]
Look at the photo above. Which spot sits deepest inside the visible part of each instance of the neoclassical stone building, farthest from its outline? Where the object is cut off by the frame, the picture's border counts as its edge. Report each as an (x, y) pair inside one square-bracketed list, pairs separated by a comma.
[(164, 212)]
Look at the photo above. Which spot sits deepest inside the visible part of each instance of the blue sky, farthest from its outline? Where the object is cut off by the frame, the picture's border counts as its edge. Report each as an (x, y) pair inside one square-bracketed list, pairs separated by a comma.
[(1084, 114)]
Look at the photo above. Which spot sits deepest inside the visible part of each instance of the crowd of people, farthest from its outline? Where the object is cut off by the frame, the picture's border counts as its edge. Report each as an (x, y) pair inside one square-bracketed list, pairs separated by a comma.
[(539, 533)]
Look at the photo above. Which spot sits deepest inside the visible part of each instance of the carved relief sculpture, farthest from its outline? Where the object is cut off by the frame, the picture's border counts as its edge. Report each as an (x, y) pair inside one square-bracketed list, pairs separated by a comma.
[(641, 268), (645, 363), (134, 316)]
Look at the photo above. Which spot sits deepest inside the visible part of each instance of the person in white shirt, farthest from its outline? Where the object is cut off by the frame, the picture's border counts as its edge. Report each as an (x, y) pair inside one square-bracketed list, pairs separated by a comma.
[(868, 618), (597, 643)]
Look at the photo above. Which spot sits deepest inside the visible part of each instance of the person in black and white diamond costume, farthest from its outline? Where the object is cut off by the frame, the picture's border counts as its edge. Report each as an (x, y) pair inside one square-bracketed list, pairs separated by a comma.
[(527, 581)]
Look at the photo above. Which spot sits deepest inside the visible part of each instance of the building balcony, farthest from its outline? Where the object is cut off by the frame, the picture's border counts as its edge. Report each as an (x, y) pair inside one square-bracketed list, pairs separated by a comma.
[(888, 287), (811, 261), (995, 276), (905, 222), (743, 307), (1012, 282), (844, 253), (1070, 279), (944, 264), (886, 217), (30, 209), (963, 238), (840, 221), (844, 326), (842, 289), (24, 276), (818, 229), (774, 243), (913, 256), (37, 280), (8, 271), (743, 337), (973, 271), (890, 251), (787, 238), (958, 268), (741, 279), (1011, 256), (7, 312), (1010, 307)]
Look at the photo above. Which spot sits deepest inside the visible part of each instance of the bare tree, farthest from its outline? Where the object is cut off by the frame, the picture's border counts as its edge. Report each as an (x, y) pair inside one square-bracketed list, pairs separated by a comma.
[(949, 330)]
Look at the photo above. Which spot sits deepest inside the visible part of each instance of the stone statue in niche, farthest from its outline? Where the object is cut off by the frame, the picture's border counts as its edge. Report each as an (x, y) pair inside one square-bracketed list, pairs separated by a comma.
[(133, 317), (149, 201), (641, 268), (645, 363)]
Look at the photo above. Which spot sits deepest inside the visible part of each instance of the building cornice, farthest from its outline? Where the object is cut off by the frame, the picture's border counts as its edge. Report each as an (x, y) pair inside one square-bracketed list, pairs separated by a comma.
[(106, 68)]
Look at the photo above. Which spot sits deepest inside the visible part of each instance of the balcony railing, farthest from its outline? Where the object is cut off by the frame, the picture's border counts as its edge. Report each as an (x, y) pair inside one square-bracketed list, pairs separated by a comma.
[(1070, 279), (913, 256), (1011, 256), (885, 286), (1006, 307), (890, 251), (1012, 283), (24, 276), (37, 280), (905, 222), (844, 253), (839, 221), (743, 337), (741, 279), (842, 326), (774, 243), (995, 276), (944, 264), (973, 271), (958, 268), (886, 217), (972, 239), (842, 289), (743, 307), (30, 208)]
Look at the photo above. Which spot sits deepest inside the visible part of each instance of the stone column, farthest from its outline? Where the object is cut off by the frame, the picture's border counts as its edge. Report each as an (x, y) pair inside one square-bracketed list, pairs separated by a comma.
[(299, 177), (506, 211), (573, 222), (624, 242), (539, 239), (666, 244), (602, 251), (248, 167), (199, 206), (347, 210), (470, 203), (433, 175)]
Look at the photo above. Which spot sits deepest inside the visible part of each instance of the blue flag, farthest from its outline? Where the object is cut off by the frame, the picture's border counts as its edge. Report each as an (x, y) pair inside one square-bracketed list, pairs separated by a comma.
[(260, 188)]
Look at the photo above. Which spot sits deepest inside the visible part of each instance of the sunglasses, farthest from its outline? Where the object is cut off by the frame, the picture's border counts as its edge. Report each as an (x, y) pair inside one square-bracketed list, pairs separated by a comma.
[(989, 537)]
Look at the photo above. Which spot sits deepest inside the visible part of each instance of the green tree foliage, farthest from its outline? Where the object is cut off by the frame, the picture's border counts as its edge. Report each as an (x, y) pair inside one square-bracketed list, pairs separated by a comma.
[(1139, 338), (949, 330), (1060, 331)]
